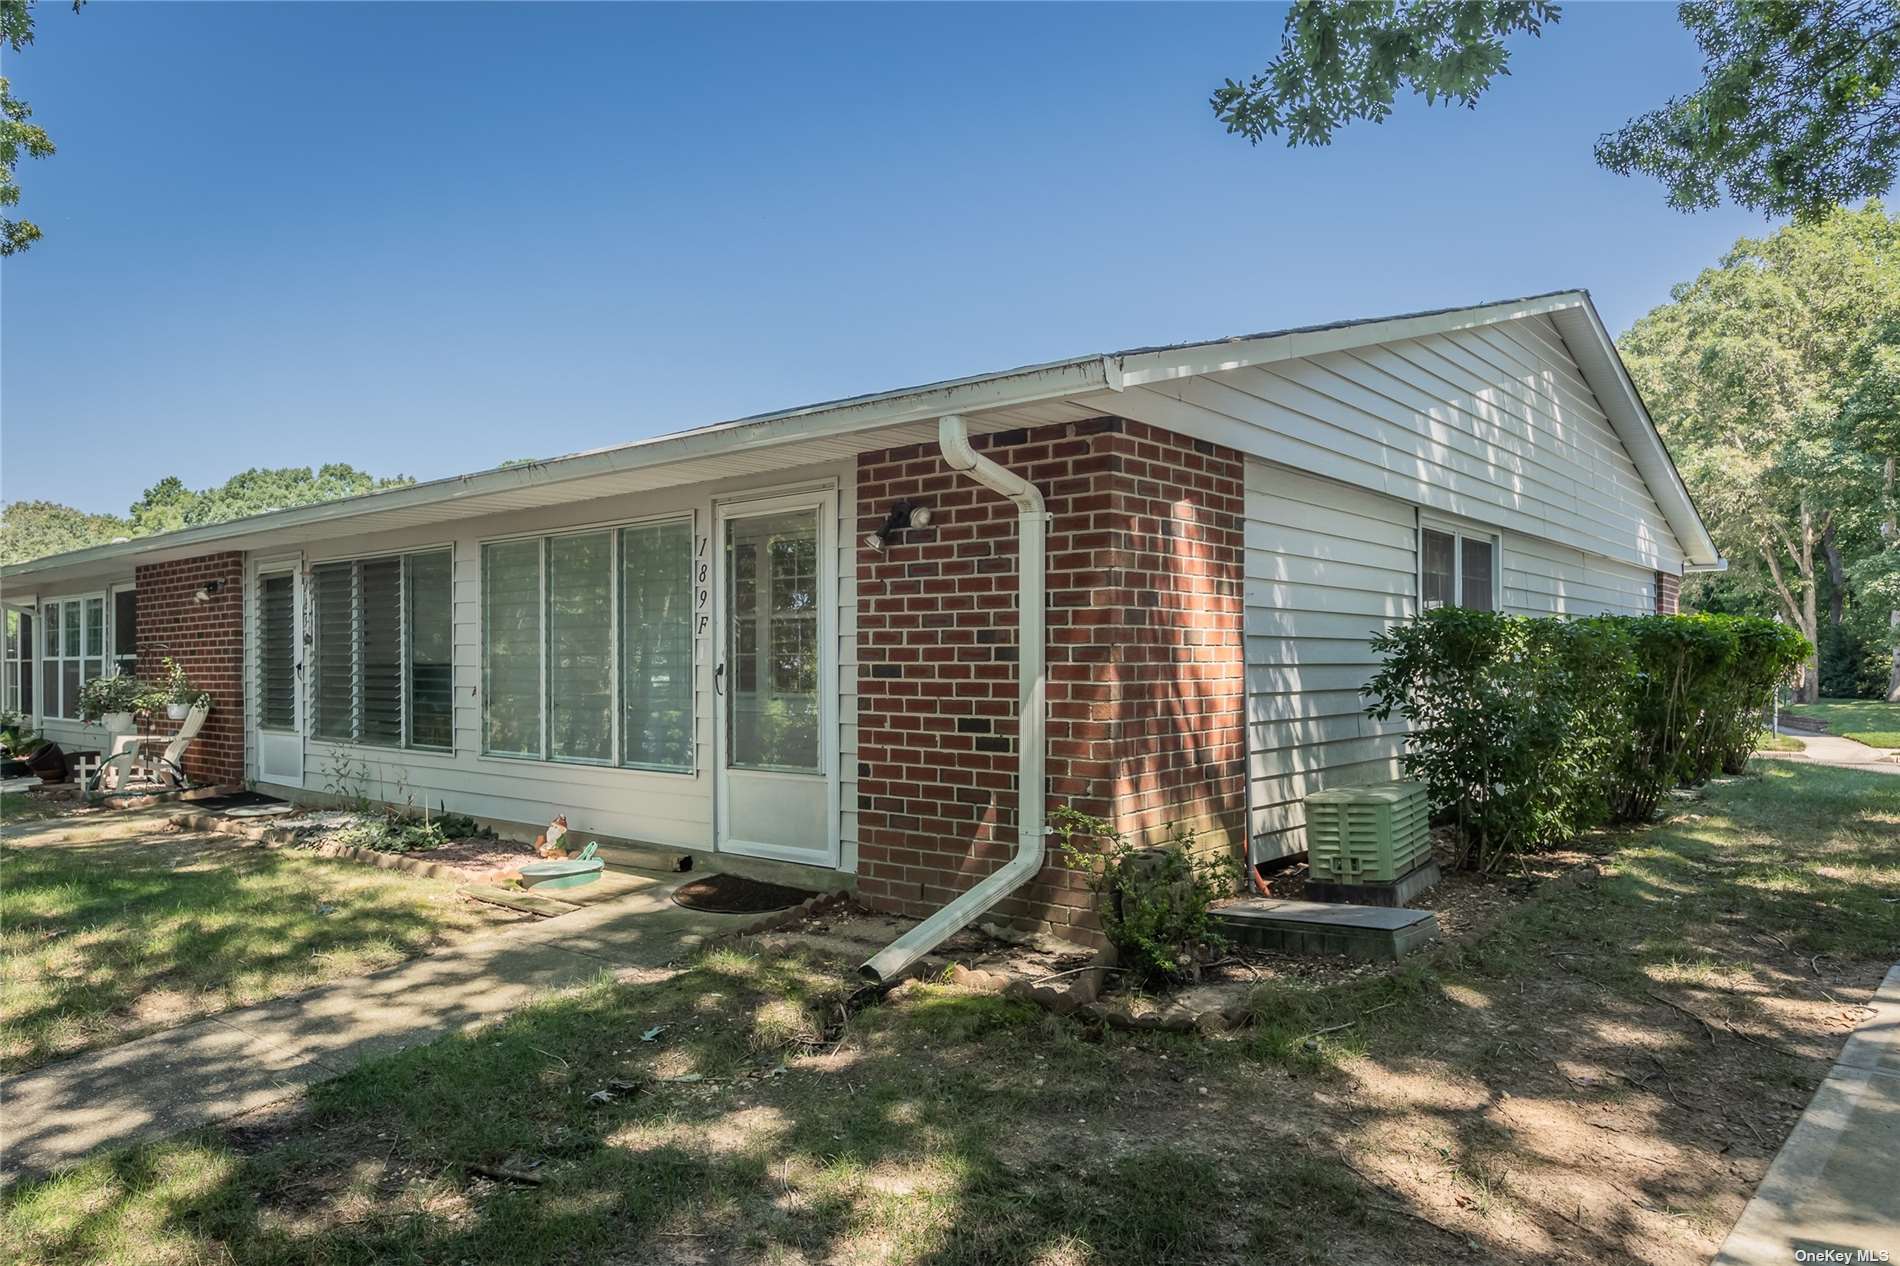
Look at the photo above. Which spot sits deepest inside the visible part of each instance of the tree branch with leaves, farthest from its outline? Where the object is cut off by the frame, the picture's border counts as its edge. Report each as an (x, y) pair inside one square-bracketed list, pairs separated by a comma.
[(1799, 109)]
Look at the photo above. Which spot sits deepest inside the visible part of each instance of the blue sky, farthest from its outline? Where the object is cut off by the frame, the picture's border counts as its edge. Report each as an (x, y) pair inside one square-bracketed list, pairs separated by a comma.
[(428, 238)]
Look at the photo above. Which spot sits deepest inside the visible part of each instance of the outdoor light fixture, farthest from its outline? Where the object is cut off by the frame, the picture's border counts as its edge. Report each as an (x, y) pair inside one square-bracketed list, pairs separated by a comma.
[(905, 514), (207, 589)]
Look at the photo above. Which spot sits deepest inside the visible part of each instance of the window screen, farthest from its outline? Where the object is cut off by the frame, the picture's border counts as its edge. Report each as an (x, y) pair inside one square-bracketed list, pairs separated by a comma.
[(277, 652), (511, 628), (429, 591), (334, 593), (379, 668), (580, 647), (384, 650), (656, 640), (1476, 573), (125, 630), (1440, 567)]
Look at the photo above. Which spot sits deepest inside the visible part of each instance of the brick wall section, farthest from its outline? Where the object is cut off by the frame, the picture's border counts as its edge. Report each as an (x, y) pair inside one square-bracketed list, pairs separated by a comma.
[(1668, 594), (1146, 658), (207, 638)]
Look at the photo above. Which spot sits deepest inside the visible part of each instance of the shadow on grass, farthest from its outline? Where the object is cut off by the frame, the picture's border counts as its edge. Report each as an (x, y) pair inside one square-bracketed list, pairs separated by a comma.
[(742, 1122), (183, 926)]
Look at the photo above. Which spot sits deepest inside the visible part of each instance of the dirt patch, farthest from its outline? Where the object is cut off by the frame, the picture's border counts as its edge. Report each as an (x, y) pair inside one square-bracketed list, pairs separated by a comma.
[(736, 894), (480, 858)]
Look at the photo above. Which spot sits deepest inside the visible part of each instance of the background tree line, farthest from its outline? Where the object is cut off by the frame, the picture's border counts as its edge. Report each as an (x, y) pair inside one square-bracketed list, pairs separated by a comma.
[(1775, 378), (34, 529)]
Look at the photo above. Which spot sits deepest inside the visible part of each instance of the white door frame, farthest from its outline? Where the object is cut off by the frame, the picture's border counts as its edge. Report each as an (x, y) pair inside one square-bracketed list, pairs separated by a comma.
[(824, 500), (261, 737)]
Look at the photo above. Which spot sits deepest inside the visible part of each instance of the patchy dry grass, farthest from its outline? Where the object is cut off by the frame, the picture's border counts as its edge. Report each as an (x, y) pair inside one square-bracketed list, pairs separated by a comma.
[(105, 938), (1600, 1077)]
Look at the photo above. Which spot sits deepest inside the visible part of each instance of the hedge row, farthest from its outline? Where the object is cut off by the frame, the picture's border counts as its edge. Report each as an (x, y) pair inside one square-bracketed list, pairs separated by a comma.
[(1529, 731)]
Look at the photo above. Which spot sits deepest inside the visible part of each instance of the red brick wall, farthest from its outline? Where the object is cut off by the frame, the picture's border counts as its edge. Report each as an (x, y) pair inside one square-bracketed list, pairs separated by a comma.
[(1146, 658), (1668, 594), (207, 638)]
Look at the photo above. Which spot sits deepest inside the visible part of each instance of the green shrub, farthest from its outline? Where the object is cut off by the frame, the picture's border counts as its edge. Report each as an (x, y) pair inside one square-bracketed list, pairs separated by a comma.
[(1155, 902), (1528, 731)]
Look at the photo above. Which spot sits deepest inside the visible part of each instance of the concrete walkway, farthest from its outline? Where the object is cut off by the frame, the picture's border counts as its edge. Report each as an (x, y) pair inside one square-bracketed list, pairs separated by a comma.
[(1832, 749), (1835, 1185), (240, 1060)]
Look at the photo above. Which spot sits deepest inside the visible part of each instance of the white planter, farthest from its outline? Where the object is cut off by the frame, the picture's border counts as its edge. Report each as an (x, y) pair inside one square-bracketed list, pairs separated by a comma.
[(118, 723), (177, 711)]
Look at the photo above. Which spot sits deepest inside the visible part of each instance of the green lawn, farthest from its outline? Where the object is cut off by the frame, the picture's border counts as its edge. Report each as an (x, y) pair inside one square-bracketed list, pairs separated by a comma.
[(1866, 721), (1780, 743), (1532, 1087), (104, 938)]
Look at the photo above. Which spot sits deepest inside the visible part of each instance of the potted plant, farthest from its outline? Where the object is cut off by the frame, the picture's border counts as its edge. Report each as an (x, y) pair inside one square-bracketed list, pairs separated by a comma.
[(178, 692), (111, 701)]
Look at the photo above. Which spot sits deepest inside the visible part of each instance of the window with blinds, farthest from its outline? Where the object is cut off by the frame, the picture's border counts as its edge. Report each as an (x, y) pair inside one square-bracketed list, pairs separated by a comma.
[(277, 651), (383, 631), (588, 646)]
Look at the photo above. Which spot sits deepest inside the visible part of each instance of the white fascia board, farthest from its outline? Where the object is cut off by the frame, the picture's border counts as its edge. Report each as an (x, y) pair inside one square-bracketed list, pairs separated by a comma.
[(1192, 360), (1027, 385)]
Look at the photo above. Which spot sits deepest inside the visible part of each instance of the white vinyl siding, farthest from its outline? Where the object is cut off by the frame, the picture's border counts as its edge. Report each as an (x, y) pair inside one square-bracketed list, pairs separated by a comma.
[(1326, 567), (1493, 424), (1544, 578)]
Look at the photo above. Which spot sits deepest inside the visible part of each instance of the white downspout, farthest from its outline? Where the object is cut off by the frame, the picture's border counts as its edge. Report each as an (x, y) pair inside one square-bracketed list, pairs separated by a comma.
[(890, 963)]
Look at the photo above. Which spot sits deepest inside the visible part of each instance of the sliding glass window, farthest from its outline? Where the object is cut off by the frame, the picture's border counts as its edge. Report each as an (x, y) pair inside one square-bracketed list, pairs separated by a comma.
[(383, 628), (587, 644)]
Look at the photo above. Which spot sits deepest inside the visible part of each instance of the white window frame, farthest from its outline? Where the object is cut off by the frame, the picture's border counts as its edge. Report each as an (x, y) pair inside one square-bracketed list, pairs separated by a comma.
[(77, 600), (618, 758), (312, 657), (1459, 534)]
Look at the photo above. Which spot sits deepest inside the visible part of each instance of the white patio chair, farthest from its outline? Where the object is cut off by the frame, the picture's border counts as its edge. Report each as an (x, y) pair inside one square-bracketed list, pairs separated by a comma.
[(154, 758)]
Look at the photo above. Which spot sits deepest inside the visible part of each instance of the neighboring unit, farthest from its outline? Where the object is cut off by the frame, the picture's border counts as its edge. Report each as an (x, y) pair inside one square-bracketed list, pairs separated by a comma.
[(744, 638)]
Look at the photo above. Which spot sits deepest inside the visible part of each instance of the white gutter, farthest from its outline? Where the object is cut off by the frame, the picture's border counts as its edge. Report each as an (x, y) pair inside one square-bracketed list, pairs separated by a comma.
[(1719, 565), (890, 963)]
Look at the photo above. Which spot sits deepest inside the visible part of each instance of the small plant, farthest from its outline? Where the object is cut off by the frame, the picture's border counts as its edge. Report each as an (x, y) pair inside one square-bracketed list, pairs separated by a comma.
[(120, 692), (1156, 902), (177, 687), (346, 776), (17, 736)]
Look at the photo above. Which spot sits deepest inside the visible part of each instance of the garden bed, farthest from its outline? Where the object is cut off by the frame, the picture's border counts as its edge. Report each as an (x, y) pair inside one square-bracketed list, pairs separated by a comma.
[(337, 833)]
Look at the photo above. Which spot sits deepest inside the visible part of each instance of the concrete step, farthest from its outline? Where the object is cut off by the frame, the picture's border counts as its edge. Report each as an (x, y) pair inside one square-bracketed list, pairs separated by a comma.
[(1324, 927)]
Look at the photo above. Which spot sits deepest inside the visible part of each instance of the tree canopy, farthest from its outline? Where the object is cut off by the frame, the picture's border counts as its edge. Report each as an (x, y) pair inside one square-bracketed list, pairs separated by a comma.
[(1799, 109), (1752, 371), (34, 529), (18, 135)]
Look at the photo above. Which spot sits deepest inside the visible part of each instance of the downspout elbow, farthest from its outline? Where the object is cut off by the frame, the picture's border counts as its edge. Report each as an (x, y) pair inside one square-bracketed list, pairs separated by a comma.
[(895, 959)]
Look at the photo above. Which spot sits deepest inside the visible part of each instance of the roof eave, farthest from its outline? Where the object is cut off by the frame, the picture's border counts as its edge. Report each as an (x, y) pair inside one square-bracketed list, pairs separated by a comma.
[(1011, 388)]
